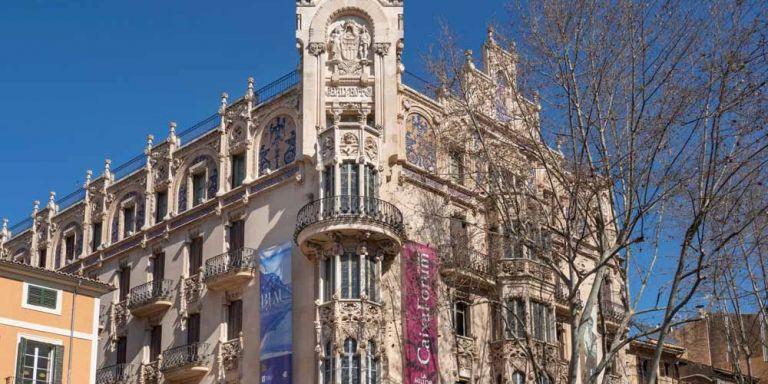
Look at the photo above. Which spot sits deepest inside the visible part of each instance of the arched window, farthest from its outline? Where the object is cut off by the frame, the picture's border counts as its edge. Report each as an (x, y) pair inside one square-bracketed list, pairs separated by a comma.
[(328, 363), (518, 378), (278, 144), (372, 364), (350, 363), (420, 148), (543, 378)]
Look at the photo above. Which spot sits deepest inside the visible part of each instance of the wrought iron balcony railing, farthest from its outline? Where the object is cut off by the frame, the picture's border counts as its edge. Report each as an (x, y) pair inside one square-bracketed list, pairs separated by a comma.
[(150, 292), (114, 374), (340, 208), (232, 261), (467, 260), (196, 354), (612, 311)]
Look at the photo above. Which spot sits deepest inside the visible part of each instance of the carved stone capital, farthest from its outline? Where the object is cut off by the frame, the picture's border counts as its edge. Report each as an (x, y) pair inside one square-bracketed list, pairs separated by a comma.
[(316, 49), (381, 49)]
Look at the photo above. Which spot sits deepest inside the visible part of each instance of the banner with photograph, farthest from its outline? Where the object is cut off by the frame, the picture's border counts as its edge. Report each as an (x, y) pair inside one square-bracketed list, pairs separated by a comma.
[(420, 303), (275, 315)]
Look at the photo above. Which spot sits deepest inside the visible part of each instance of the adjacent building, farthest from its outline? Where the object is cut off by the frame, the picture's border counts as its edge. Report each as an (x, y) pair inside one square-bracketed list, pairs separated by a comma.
[(49, 325)]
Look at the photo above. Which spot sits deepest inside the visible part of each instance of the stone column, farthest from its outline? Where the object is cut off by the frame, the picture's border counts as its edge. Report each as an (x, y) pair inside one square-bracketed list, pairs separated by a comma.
[(249, 134), (223, 147), (86, 247), (149, 208)]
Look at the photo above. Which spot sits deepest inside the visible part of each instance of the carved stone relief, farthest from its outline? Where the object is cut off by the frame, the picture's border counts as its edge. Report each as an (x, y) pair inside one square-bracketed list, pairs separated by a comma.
[(371, 149), (349, 145), (349, 46)]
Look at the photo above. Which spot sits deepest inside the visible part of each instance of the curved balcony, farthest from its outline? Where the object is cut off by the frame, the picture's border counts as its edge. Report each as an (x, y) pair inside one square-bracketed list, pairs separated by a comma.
[(467, 268), (230, 270), (151, 298), (379, 221), (526, 269), (115, 374), (612, 312), (186, 362)]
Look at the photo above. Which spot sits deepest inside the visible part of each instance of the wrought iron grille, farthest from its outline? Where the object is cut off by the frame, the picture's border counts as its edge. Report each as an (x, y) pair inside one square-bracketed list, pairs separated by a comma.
[(341, 208), (277, 87), (113, 374), (129, 167), (468, 260), (21, 226), (71, 199), (231, 261), (150, 292), (190, 354), (613, 311)]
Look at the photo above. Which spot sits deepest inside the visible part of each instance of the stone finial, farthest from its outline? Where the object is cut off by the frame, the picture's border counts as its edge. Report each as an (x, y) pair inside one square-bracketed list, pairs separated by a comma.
[(491, 32), (172, 132), (107, 172), (51, 200), (36, 206), (249, 94), (150, 141), (223, 107), (88, 175), (470, 60)]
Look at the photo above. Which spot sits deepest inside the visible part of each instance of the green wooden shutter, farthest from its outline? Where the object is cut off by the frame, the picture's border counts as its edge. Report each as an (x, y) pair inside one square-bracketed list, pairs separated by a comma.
[(58, 364), (49, 298), (34, 295), (20, 357)]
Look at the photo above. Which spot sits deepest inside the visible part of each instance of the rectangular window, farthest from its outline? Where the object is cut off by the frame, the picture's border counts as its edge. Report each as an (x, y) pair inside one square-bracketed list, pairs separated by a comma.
[(195, 256), (234, 319), (122, 350), (542, 322), (96, 236), (461, 318), (237, 235), (42, 297), (328, 279), (129, 221), (350, 276), (328, 182), (456, 167), (155, 342), (516, 315), (238, 170), (371, 286), (350, 187), (42, 258), (161, 207), (125, 283), (371, 190), (193, 328), (198, 188), (69, 247), (39, 363), (158, 267), (459, 238), (513, 247)]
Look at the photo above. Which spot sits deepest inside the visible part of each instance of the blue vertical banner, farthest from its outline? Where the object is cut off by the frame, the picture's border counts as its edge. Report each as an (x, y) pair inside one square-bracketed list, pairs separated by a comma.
[(275, 315)]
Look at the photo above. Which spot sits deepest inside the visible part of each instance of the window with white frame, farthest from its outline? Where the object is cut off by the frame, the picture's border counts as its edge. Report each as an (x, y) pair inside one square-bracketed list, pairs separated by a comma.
[(41, 298), (198, 188), (38, 362), (129, 220), (350, 276), (518, 378), (328, 364), (461, 318), (372, 365), (516, 318)]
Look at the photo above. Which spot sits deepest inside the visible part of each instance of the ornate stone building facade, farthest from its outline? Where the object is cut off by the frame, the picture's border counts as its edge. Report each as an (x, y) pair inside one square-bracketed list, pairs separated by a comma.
[(335, 162)]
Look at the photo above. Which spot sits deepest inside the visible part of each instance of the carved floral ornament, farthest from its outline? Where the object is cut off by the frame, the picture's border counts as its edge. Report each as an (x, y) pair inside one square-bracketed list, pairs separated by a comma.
[(349, 145)]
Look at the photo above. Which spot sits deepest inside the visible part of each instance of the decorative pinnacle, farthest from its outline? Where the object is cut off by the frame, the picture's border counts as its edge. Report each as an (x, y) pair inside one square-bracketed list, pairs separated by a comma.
[(249, 94), (224, 97), (107, 163), (470, 61), (88, 174), (36, 204), (5, 224), (51, 196), (491, 32), (150, 140)]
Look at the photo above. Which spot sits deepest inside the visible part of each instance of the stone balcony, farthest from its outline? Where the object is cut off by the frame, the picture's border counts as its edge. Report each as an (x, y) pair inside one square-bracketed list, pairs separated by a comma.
[(525, 269), (185, 363), (467, 268), (375, 220), (150, 373), (151, 298), (230, 270), (115, 374), (505, 351), (613, 313), (231, 353)]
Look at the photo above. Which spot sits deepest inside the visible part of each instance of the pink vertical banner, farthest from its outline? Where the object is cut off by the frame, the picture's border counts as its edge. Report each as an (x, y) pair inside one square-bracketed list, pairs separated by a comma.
[(420, 303)]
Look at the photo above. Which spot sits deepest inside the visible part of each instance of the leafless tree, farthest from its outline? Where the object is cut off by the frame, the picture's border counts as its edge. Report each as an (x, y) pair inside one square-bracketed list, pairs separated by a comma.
[(620, 138)]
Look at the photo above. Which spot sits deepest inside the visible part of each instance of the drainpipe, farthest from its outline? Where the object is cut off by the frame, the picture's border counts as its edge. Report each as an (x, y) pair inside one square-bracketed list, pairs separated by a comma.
[(72, 333)]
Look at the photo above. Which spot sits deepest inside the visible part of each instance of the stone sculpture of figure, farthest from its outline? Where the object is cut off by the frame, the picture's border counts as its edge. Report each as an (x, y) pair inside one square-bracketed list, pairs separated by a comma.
[(336, 42), (365, 42)]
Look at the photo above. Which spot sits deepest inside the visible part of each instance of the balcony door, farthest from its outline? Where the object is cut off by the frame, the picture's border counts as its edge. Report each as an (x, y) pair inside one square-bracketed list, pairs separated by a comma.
[(350, 187), (237, 236), (124, 283), (158, 267)]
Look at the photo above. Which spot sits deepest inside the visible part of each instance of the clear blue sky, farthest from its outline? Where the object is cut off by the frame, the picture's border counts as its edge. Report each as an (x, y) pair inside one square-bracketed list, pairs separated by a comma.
[(85, 80)]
